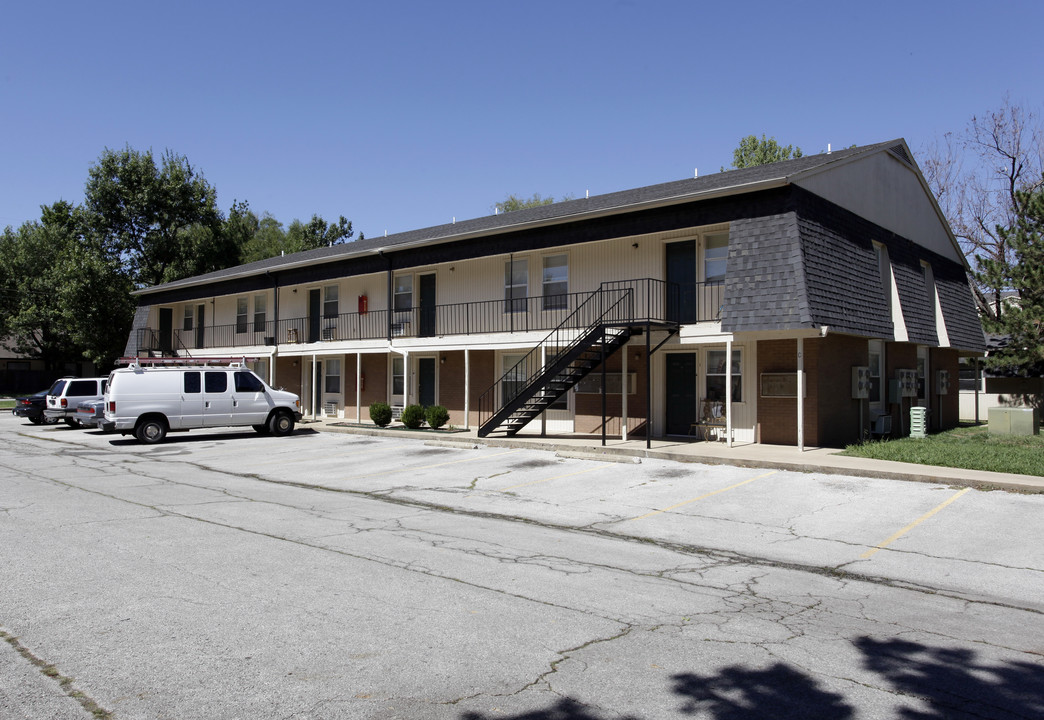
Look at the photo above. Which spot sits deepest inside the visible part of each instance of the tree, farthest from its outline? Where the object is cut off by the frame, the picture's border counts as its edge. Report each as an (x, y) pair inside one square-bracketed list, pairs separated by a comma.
[(317, 233), (268, 238), (513, 202), (162, 221), (1021, 270), (64, 298), (752, 151), (976, 177)]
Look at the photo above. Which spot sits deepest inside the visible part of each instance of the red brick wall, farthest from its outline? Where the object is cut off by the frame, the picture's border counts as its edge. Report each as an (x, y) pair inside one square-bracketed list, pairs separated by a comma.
[(288, 374), (945, 408), (588, 407), (777, 417), (838, 412)]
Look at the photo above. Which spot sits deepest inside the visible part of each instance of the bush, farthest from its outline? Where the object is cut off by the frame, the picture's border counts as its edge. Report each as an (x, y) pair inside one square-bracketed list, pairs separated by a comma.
[(437, 416), (412, 416), (380, 413)]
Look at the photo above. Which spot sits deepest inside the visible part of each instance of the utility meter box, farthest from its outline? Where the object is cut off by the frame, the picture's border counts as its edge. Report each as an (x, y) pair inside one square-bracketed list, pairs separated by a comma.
[(942, 382), (1014, 421), (860, 383), (907, 382)]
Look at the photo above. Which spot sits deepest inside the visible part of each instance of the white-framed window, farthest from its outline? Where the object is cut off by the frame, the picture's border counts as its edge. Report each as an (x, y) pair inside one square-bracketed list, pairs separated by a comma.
[(403, 298), (516, 284), (715, 255), (330, 294), (716, 375), (260, 312), (555, 281), (332, 369), (190, 318), (241, 315), (398, 376), (876, 364)]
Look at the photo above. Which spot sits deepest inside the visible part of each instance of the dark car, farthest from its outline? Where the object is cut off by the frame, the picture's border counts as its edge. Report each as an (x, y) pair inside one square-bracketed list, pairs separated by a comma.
[(31, 407)]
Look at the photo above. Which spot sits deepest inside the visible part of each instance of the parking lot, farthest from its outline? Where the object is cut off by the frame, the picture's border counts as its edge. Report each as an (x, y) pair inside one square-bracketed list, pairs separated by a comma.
[(228, 574)]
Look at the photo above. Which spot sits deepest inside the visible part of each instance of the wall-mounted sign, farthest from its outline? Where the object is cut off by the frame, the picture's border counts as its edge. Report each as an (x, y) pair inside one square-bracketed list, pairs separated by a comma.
[(780, 385)]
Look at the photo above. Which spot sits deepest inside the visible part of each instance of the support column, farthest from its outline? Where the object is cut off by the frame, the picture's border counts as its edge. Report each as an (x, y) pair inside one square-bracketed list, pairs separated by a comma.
[(728, 392), (623, 399), (801, 393), (358, 387), (315, 410), (543, 415), (467, 389)]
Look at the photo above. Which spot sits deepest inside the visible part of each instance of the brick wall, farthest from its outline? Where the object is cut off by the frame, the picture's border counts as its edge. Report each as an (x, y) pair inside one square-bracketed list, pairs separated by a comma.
[(588, 407)]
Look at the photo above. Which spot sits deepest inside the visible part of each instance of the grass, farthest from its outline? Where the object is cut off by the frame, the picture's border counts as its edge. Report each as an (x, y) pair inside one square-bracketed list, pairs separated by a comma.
[(6, 403), (971, 448)]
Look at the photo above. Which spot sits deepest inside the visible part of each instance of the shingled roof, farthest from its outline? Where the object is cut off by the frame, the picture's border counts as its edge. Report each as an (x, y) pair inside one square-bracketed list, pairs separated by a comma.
[(729, 182)]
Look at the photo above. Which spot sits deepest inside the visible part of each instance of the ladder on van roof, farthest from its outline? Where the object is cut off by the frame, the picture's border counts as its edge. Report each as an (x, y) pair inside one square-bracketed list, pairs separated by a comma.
[(240, 361)]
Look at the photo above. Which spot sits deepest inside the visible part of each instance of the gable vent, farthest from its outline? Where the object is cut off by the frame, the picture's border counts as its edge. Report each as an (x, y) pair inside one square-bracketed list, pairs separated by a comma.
[(900, 152)]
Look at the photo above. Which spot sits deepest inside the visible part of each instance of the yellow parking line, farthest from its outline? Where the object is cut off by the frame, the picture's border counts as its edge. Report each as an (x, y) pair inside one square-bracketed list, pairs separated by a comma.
[(556, 477), (701, 497), (436, 465), (912, 525)]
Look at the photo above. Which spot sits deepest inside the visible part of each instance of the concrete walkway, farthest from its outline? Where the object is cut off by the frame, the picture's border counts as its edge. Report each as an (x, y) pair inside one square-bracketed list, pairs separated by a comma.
[(822, 460)]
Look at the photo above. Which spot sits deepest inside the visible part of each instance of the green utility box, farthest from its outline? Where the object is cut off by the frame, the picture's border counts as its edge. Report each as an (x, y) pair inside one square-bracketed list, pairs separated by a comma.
[(1014, 421), (918, 422)]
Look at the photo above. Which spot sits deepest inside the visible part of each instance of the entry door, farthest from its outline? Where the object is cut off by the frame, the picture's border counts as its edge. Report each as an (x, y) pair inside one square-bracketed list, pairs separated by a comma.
[(681, 274), (200, 333), (166, 330), (314, 315), (317, 382), (426, 297), (680, 376), (426, 381), (217, 398)]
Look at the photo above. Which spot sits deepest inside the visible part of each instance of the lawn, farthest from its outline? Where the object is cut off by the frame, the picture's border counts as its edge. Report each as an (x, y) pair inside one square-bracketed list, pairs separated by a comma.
[(972, 448), (6, 403)]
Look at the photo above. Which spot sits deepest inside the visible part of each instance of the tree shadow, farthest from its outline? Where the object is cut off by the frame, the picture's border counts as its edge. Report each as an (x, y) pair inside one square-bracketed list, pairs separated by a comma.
[(953, 683), (739, 693), (943, 683)]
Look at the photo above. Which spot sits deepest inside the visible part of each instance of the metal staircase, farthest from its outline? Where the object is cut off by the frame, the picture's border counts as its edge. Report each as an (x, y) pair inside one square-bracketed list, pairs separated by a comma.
[(600, 325)]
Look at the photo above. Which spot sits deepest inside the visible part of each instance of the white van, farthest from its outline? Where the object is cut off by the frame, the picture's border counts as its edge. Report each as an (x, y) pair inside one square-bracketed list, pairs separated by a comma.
[(150, 401)]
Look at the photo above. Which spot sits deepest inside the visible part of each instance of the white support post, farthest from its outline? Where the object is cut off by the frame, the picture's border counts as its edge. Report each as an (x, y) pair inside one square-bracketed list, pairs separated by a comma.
[(543, 415), (801, 393), (358, 387), (728, 392), (467, 389), (315, 410), (623, 392)]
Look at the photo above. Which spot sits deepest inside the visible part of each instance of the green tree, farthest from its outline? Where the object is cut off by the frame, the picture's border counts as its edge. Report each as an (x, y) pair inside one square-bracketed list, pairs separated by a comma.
[(64, 298), (752, 151), (1022, 270), (161, 220), (268, 238), (513, 202)]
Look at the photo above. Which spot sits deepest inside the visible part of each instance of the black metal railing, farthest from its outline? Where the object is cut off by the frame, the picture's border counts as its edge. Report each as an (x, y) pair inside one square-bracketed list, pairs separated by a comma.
[(652, 300), (603, 307)]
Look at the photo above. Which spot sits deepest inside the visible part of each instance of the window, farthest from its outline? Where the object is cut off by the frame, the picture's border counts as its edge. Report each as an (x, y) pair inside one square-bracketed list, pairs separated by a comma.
[(248, 382), (330, 301), (241, 315), (715, 255), (193, 382), (876, 364), (516, 285), (215, 382), (189, 317), (403, 293), (514, 376), (716, 376), (398, 377), (556, 282), (333, 376), (260, 306)]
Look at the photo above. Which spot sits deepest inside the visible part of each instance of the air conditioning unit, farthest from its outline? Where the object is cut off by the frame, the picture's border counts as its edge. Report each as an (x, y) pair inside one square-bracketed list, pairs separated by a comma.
[(330, 409), (860, 383), (942, 382)]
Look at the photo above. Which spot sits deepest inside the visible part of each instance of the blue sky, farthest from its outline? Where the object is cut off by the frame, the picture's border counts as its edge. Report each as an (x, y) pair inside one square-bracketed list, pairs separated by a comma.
[(402, 114)]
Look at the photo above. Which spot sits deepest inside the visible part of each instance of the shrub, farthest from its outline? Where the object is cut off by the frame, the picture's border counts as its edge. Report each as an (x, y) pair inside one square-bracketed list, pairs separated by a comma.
[(412, 416), (380, 413), (437, 416)]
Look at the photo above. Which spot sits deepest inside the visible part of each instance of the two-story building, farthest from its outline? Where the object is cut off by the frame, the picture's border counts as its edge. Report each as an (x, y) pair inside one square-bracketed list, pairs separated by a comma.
[(809, 302)]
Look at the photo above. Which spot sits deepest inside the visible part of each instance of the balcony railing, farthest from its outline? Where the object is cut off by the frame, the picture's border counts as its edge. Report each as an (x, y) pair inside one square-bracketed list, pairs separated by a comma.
[(649, 300)]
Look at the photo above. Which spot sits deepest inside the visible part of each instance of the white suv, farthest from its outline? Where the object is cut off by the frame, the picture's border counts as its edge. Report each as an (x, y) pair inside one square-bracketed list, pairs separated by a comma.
[(66, 395)]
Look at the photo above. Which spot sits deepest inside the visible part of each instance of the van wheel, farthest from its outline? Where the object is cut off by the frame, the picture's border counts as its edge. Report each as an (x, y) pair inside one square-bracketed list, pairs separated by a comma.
[(263, 429), (151, 431), (281, 423)]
